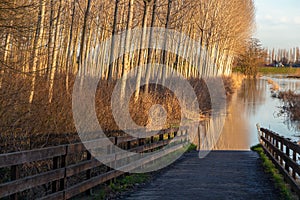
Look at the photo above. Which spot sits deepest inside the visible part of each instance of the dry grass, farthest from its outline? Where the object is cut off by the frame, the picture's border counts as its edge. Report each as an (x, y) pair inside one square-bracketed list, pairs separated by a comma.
[(40, 124), (275, 86)]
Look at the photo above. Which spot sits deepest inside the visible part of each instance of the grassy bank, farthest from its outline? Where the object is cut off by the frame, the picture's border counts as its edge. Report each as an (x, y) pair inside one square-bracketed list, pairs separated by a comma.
[(273, 70), (278, 70), (270, 168), (126, 183)]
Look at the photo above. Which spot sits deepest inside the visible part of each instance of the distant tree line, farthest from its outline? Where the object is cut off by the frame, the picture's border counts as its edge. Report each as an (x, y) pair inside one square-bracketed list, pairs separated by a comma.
[(285, 57)]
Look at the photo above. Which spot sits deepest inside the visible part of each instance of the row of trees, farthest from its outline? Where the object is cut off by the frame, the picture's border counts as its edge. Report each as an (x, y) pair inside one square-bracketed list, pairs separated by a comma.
[(56, 38), (285, 56)]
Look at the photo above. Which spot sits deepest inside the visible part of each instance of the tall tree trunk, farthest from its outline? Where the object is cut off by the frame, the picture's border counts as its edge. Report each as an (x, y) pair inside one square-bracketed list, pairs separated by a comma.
[(55, 53), (6, 50), (50, 39), (113, 42), (69, 46), (37, 44), (75, 61), (83, 34), (141, 53), (126, 57), (150, 51), (164, 56)]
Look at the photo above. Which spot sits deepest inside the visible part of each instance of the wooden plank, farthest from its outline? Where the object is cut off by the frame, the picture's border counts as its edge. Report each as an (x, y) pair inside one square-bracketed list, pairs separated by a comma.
[(80, 147), (179, 138), (22, 157), (30, 182), (122, 155), (150, 158), (151, 146), (76, 148), (88, 184), (82, 166), (148, 134), (54, 196), (124, 139)]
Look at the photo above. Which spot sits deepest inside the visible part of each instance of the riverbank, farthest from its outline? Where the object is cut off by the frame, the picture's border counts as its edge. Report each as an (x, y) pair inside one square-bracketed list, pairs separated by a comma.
[(270, 168)]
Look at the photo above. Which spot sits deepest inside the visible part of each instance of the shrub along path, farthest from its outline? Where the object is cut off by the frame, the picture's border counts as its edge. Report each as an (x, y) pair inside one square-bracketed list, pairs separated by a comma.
[(220, 175)]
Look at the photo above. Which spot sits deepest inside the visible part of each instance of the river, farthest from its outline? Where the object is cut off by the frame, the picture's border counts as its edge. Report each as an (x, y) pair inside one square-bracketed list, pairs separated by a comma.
[(253, 104)]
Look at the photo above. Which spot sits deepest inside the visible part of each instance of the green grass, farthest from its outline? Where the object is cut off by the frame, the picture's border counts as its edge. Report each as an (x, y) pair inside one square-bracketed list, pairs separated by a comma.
[(237, 69), (272, 70), (270, 168), (192, 147), (128, 182), (122, 184), (277, 70)]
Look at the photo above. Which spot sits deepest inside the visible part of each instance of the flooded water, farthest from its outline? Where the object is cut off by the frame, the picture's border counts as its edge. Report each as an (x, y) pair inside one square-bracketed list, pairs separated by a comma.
[(253, 104)]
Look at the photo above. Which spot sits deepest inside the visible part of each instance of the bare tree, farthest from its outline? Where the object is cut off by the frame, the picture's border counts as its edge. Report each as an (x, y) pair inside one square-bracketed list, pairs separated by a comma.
[(36, 45)]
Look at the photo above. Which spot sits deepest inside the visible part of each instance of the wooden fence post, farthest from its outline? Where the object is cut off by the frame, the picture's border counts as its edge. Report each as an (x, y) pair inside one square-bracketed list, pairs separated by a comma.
[(295, 159), (14, 176), (287, 152), (151, 142), (161, 137), (141, 142), (55, 166), (277, 146), (89, 173), (63, 164), (281, 149), (128, 145)]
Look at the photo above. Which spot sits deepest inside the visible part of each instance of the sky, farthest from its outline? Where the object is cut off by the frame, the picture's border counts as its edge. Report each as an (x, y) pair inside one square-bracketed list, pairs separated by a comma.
[(278, 23)]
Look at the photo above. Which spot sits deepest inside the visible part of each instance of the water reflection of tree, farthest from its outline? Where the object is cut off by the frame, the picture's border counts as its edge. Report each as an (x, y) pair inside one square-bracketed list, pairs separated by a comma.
[(289, 110), (292, 125), (252, 94), (208, 133), (234, 133)]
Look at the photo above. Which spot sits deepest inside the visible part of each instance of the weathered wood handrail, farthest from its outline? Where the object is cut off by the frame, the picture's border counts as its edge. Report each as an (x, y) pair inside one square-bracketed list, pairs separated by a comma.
[(284, 154), (61, 171)]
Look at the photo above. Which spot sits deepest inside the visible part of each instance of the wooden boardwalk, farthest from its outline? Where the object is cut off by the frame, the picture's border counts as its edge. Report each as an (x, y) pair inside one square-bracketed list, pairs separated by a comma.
[(221, 175)]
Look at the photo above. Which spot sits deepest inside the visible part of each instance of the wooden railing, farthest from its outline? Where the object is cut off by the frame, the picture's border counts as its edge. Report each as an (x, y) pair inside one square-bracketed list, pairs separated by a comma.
[(284, 154), (52, 170)]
